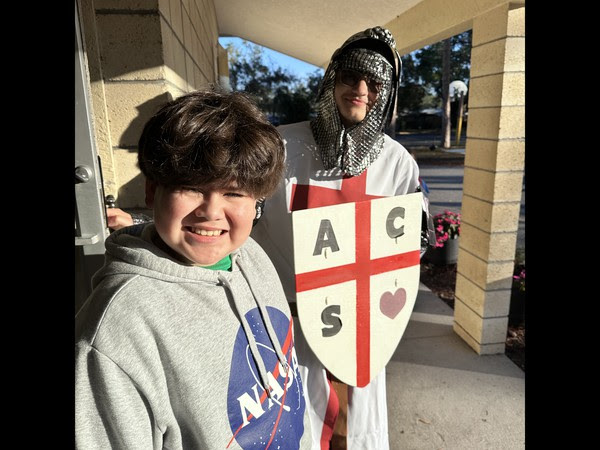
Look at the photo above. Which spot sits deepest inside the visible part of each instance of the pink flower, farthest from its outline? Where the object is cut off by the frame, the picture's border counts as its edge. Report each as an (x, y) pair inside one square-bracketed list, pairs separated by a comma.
[(519, 280), (447, 226)]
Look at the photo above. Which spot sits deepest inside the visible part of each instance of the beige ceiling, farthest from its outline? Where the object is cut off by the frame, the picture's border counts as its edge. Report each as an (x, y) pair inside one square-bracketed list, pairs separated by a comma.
[(309, 30)]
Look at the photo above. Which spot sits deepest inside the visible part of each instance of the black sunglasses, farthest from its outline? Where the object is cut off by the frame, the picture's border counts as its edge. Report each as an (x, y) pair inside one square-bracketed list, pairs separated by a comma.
[(352, 78)]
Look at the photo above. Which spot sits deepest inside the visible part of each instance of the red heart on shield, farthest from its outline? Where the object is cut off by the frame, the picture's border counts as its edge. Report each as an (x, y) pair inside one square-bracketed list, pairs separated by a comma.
[(391, 304)]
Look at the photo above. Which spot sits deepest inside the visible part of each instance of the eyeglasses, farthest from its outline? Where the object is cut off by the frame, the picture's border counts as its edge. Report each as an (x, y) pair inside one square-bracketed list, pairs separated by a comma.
[(352, 78)]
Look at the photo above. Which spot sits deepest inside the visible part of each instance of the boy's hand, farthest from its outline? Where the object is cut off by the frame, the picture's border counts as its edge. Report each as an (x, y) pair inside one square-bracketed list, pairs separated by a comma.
[(117, 218)]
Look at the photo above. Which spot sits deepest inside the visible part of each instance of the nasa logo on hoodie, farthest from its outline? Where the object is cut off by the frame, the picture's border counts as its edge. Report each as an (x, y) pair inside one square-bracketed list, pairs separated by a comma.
[(258, 421)]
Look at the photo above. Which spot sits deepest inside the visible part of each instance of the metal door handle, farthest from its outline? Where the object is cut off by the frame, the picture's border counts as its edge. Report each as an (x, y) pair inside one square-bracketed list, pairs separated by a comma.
[(83, 174)]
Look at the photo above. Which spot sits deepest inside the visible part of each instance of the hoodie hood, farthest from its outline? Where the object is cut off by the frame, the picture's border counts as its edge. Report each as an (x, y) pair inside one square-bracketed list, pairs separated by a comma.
[(131, 251)]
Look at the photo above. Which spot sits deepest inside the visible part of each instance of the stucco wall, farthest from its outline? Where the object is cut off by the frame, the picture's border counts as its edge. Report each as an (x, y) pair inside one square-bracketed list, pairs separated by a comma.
[(142, 53), (493, 179)]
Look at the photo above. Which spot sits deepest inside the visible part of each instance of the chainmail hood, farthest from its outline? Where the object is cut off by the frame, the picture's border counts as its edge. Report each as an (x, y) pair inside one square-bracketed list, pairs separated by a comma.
[(373, 53)]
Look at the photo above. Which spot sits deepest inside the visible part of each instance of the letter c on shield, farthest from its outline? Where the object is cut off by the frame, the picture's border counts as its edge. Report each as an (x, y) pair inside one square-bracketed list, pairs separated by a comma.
[(392, 231)]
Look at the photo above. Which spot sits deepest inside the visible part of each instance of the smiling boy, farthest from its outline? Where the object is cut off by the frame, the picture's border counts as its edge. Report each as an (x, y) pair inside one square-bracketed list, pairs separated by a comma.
[(186, 340), (201, 225)]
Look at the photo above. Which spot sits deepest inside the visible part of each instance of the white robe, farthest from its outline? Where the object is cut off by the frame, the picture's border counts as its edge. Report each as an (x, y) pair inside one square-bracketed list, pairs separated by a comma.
[(395, 172)]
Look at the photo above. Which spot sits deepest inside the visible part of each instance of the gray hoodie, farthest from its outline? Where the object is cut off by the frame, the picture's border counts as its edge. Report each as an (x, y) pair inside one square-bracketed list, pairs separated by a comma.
[(175, 356)]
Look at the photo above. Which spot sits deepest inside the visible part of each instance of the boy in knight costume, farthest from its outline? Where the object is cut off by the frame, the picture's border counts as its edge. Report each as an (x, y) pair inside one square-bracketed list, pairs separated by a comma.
[(341, 156)]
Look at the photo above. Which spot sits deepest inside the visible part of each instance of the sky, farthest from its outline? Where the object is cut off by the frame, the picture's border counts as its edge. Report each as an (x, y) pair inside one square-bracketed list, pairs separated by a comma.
[(296, 67)]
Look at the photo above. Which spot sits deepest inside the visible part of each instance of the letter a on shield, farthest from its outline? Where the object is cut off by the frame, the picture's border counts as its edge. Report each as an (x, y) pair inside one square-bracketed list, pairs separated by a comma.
[(326, 238)]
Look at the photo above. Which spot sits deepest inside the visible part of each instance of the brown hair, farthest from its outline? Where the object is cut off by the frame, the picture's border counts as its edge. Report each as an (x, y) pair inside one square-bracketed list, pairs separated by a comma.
[(212, 138)]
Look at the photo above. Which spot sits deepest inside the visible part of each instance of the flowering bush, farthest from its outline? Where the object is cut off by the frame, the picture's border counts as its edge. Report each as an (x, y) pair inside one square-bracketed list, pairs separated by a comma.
[(519, 279), (447, 226)]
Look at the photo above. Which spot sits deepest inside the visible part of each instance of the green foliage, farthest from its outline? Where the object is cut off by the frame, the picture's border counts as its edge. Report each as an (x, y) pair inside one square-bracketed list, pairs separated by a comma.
[(429, 62), (411, 92), (431, 101), (279, 94), (286, 98), (410, 97), (520, 256), (421, 85), (292, 107)]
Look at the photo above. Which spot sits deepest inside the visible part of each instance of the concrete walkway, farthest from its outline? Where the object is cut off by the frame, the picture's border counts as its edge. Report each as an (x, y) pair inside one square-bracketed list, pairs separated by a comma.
[(442, 395)]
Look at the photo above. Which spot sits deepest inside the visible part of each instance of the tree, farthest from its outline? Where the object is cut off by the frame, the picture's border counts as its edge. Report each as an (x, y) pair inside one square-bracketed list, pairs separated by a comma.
[(249, 73), (279, 94), (423, 74), (313, 83), (428, 62), (446, 52), (291, 107), (412, 91)]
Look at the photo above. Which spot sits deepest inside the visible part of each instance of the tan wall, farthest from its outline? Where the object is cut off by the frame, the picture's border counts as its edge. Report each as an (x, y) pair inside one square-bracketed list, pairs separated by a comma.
[(493, 179), (141, 54), (494, 157)]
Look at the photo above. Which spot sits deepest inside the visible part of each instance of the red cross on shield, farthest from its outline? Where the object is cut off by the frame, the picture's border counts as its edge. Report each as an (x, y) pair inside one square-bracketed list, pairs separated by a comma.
[(357, 279)]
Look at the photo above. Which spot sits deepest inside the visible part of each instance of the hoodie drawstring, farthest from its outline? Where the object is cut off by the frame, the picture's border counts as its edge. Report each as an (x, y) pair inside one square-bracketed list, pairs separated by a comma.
[(250, 336), (268, 325), (253, 348)]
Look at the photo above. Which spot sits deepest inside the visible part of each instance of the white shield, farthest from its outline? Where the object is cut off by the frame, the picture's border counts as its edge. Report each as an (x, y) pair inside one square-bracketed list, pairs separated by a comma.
[(357, 278)]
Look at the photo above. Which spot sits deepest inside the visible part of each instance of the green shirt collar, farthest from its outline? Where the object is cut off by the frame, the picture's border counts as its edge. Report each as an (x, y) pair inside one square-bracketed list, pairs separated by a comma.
[(224, 264)]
